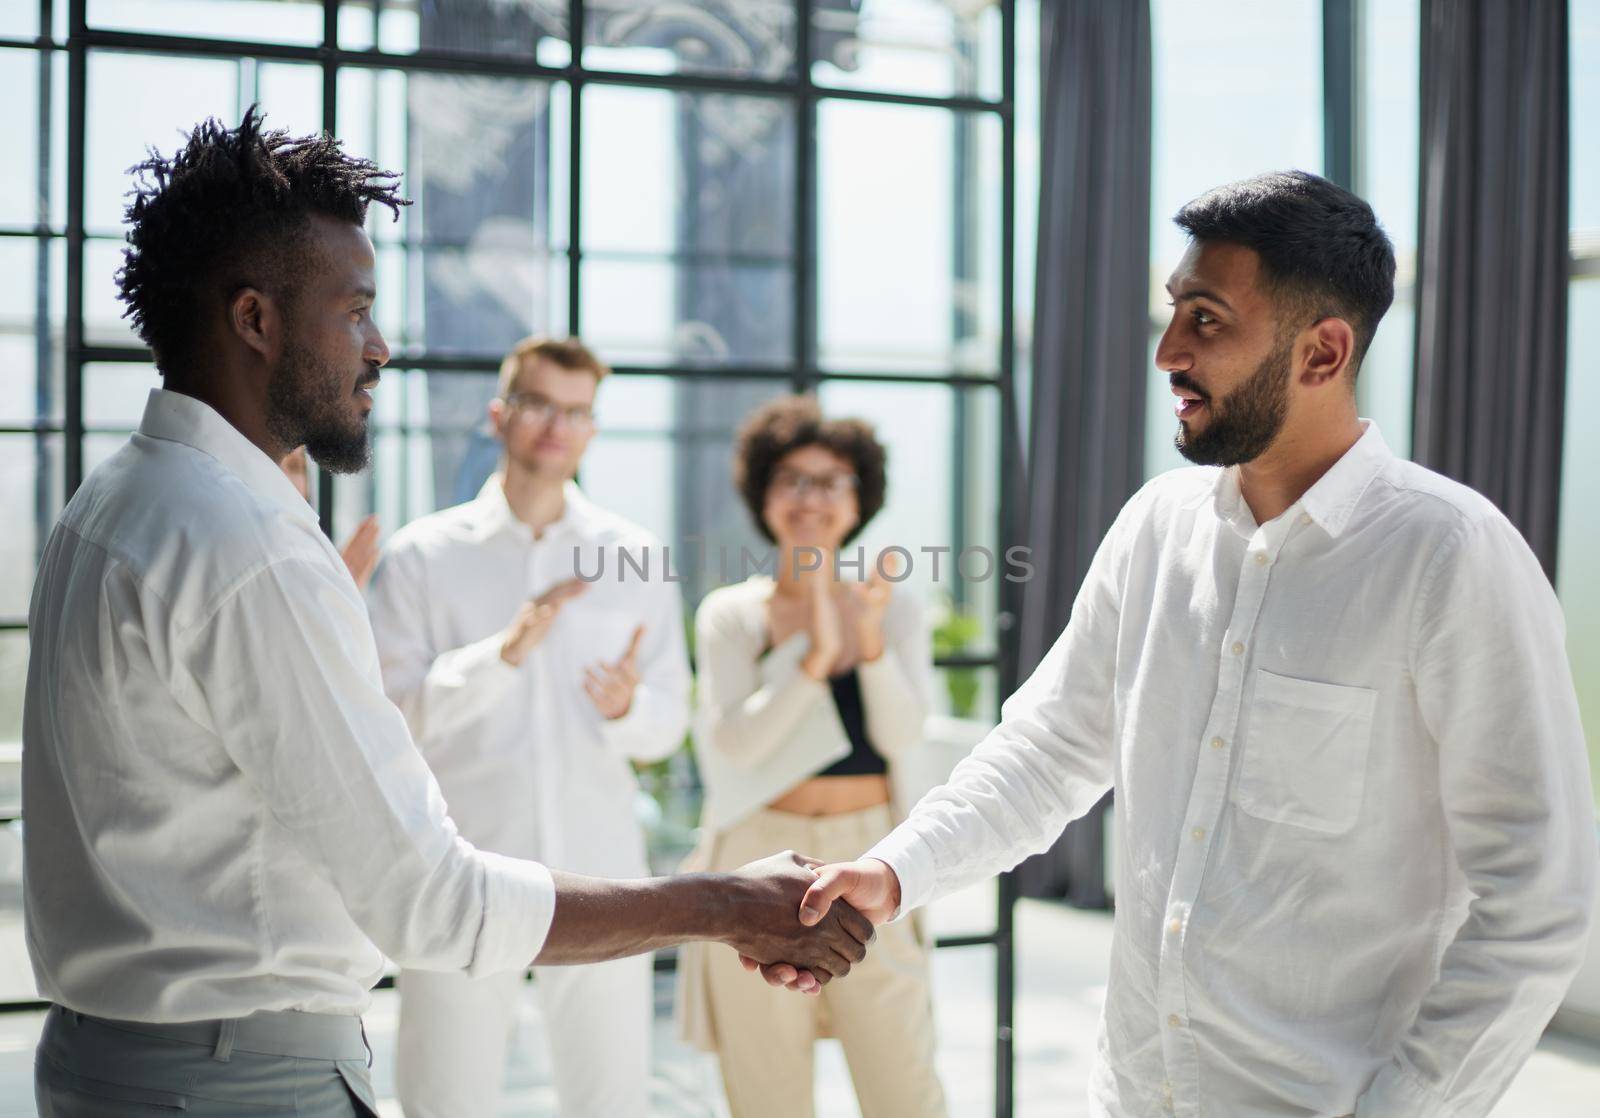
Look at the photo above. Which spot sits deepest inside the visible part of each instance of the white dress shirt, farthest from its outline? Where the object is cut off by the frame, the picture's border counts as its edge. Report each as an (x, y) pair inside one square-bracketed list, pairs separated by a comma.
[(1357, 848), (528, 764), (224, 812)]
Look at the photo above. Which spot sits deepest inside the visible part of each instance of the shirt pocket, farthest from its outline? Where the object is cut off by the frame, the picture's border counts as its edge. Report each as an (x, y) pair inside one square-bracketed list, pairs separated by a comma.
[(1305, 753)]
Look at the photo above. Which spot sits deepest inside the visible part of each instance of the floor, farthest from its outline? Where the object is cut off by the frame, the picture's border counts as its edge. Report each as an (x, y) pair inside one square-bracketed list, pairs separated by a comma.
[(1061, 982)]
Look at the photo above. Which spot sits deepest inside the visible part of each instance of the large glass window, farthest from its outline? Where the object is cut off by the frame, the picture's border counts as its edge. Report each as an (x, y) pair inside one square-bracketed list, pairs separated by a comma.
[(688, 227), (743, 38), (1390, 78), (1237, 90), (33, 411), (928, 203), (940, 48), (513, 30), (298, 23)]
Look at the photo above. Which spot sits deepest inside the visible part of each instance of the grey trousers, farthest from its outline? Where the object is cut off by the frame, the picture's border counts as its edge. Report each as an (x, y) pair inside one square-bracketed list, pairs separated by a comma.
[(307, 1064)]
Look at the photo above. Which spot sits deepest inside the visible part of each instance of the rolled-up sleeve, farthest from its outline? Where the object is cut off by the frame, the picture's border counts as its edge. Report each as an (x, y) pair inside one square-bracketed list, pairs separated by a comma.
[(287, 669)]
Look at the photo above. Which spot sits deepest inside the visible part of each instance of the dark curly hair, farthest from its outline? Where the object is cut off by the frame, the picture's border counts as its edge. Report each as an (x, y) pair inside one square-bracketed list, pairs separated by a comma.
[(232, 206), (775, 430)]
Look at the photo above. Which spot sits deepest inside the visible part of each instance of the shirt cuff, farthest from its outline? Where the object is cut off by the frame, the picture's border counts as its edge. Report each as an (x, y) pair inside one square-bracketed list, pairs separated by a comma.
[(1396, 1092), (904, 852), (481, 664), (618, 733), (519, 901)]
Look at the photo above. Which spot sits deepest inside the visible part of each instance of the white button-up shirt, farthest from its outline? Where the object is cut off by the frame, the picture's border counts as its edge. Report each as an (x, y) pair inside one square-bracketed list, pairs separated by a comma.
[(528, 765), (224, 812), (1357, 848)]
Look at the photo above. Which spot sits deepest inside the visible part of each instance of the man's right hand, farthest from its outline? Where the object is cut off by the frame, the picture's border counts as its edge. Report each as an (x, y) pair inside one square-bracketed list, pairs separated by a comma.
[(827, 633), (534, 618), (869, 886), (764, 924)]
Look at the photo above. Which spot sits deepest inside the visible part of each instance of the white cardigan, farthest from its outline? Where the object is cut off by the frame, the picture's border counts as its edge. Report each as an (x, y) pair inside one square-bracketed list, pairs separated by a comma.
[(763, 726)]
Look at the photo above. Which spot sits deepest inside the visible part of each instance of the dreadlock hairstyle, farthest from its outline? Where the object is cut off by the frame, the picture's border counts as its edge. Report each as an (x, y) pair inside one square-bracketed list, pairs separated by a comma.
[(232, 207)]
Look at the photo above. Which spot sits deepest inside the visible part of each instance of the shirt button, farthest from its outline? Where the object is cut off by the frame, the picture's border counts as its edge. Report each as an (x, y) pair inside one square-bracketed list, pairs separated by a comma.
[(1198, 833), (1174, 1021), (1175, 927), (1238, 648), (1217, 743), (1261, 558)]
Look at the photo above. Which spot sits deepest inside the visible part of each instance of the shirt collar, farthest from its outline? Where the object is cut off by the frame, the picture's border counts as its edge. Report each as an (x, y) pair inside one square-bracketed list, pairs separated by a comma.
[(1333, 498), (499, 517), (178, 418)]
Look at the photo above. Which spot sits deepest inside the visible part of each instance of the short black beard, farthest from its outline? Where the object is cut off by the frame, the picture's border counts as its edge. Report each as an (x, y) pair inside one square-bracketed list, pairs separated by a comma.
[(1246, 420), (306, 407)]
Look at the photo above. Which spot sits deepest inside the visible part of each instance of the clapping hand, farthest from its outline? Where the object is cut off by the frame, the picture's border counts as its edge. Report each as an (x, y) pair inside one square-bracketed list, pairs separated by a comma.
[(360, 551), (826, 629), (611, 685), (872, 602), (534, 618)]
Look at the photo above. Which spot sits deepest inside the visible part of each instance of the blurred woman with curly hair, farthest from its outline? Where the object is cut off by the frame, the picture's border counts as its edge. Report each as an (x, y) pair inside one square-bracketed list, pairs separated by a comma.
[(812, 686)]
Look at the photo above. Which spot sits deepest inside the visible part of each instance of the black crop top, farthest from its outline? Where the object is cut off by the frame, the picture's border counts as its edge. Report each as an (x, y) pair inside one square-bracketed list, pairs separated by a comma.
[(862, 760)]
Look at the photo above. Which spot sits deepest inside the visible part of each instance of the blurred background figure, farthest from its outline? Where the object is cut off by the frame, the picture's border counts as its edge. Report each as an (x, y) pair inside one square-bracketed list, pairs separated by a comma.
[(530, 691), (813, 682), (360, 551)]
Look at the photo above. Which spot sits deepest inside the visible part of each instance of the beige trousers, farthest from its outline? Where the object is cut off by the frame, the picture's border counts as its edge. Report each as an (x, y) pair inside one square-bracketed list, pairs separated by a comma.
[(882, 1012)]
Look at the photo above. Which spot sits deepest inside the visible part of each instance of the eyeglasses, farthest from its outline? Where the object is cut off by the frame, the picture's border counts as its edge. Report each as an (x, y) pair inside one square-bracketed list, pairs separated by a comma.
[(579, 416), (793, 483)]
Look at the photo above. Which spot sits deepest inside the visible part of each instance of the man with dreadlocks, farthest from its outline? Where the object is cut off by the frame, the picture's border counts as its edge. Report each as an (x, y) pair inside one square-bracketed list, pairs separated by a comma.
[(229, 826)]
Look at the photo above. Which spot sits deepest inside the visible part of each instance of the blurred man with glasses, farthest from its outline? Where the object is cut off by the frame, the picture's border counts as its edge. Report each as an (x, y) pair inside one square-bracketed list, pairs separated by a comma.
[(530, 692)]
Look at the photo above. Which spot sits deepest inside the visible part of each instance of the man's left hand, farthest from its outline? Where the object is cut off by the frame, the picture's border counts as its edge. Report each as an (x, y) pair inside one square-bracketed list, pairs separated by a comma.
[(868, 885), (611, 685)]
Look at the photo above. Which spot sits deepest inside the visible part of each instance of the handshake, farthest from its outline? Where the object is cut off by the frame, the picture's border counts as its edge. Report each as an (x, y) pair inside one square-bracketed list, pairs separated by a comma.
[(800, 923)]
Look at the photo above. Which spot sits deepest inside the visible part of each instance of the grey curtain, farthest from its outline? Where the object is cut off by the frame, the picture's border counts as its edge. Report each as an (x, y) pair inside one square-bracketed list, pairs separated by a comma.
[(1492, 254), (1091, 342)]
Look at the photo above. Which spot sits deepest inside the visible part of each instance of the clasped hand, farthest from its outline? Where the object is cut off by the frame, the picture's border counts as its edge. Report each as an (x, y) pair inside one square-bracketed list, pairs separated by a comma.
[(768, 930), (862, 893)]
